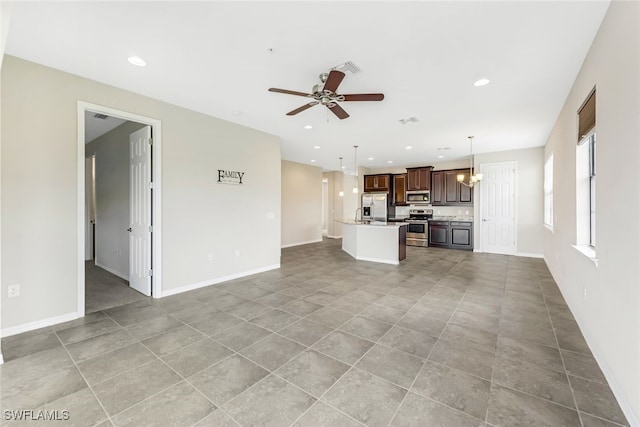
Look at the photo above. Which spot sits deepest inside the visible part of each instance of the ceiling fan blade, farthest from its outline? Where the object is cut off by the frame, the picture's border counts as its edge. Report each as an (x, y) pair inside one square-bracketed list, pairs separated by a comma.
[(333, 81), (364, 97), (288, 92), (304, 107), (338, 111)]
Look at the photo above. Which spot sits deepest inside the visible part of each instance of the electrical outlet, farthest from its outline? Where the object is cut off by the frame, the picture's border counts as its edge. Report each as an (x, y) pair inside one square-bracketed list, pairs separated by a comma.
[(210, 257), (270, 215), (237, 253), (13, 291), (585, 292)]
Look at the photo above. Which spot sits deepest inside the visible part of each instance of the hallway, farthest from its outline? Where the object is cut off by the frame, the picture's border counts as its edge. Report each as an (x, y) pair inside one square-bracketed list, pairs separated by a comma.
[(104, 290)]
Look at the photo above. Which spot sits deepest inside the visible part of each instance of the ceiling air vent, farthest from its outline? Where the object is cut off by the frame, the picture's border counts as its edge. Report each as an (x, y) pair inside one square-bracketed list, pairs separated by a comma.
[(409, 120), (100, 116), (347, 66)]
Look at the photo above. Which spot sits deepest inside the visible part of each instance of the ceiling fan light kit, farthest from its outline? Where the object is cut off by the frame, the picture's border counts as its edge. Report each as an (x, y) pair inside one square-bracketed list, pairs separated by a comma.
[(327, 96)]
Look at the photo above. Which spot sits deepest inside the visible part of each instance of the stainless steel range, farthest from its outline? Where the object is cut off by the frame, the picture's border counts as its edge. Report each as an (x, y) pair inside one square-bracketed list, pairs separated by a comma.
[(418, 228)]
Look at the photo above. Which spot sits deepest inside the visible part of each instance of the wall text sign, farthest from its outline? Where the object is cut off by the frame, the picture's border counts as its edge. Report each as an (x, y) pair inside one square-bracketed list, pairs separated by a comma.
[(230, 177)]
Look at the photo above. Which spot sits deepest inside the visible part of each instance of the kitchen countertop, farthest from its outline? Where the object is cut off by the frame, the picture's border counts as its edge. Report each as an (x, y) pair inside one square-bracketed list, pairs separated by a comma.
[(371, 224), (453, 218)]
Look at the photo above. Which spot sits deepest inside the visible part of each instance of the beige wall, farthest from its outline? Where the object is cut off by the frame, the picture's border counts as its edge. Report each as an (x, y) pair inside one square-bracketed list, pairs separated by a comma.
[(238, 225), (112, 198), (301, 204), (604, 298)]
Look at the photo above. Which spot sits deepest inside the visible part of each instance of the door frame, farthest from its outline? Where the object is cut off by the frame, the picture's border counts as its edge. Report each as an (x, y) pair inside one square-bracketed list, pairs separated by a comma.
[(479, 221), (156, 204)]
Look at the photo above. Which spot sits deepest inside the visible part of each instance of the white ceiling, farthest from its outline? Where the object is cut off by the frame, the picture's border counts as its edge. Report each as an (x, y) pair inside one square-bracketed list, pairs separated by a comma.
[(221, 57), (95, 127)]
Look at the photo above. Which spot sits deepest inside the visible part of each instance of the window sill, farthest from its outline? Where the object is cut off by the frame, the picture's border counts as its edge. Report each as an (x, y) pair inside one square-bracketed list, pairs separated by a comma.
[(548, 227), (589, 252)]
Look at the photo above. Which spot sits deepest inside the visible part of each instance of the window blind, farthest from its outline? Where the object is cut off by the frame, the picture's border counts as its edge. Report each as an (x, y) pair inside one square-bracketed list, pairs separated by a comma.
[(587, 116)]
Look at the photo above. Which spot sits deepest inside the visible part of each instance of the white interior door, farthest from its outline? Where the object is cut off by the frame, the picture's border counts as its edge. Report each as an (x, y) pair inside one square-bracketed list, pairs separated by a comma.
[(498, 208), (140, 210)]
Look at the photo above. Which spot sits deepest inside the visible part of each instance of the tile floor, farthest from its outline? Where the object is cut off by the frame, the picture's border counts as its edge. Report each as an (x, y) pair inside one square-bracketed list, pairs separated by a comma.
[(447, 338), (104, 290)]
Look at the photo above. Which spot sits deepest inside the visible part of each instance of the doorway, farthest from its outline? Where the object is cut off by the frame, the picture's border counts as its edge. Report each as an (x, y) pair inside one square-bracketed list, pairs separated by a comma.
[(127, 244), (497, 208)]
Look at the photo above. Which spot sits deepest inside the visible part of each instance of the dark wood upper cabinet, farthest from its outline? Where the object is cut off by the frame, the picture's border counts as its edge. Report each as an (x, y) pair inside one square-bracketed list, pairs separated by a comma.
[(400, 189), (377, 183), (437, 188), (451, 187), (419, 178), (446, 190)]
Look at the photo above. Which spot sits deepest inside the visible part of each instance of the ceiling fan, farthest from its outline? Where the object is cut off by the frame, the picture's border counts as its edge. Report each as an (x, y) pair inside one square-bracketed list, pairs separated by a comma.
[(326, 95)]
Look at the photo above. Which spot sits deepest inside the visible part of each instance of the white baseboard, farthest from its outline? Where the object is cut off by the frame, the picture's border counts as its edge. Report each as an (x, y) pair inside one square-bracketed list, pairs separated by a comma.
[(627, 408), (334, 237), (529, 255), (383, 261), (193, 286), (300, 243), (14, 330), (112, 271)]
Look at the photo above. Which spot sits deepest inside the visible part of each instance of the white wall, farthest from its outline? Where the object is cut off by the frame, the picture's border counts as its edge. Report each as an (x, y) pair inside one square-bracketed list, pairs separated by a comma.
[(301, 204), (529, 208), (199, 217), (112, 198), (605, 299)]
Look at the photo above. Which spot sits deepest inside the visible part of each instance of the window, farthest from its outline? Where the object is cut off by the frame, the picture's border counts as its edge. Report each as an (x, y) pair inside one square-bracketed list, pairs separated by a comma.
[(548, 192), (592, 190), (586, 177)]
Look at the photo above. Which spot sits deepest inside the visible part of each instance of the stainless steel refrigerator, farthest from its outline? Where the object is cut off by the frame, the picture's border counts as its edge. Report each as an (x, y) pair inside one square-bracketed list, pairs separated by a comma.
[(377, 207)]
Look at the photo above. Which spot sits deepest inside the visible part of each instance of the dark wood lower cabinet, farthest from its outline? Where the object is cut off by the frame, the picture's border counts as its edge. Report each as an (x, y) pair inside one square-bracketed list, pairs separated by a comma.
[(439, 234), (451, 234), (402, 237), (461, 235)]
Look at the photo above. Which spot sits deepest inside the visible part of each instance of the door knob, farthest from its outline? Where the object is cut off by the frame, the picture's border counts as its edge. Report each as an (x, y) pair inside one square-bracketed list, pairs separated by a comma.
[(129, 229), (484, 220)]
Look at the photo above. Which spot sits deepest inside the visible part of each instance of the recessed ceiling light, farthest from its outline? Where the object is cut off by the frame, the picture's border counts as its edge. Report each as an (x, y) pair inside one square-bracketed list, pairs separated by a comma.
[(137, 61), (370, 158), (313, 161), (390, 161), (408, 147), (308, 127), (441, 157), (481, 82), (344, 167), (316, 147), (237, 112)]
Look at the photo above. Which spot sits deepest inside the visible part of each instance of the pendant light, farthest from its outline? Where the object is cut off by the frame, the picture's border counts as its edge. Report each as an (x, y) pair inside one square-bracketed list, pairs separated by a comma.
[(473, 179), (355, 164), (341, 193)]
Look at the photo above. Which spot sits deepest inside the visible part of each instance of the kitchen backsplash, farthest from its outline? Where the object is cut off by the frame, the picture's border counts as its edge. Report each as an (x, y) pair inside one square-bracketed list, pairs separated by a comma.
[(437, 210)]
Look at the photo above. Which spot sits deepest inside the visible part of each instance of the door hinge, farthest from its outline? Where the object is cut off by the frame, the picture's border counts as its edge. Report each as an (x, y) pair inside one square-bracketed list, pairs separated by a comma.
[(151, 185), (150, 273), (151, 229), (150, 141)]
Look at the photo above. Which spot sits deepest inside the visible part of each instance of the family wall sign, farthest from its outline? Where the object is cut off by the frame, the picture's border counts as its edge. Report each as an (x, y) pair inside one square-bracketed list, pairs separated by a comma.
[(230, 177)]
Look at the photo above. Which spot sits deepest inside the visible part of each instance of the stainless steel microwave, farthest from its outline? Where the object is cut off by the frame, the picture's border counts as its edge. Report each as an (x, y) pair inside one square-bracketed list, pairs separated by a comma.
[(420, 197)]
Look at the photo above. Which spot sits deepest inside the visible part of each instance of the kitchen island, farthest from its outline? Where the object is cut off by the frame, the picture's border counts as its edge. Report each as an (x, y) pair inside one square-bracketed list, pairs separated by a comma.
[(375, 242)]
